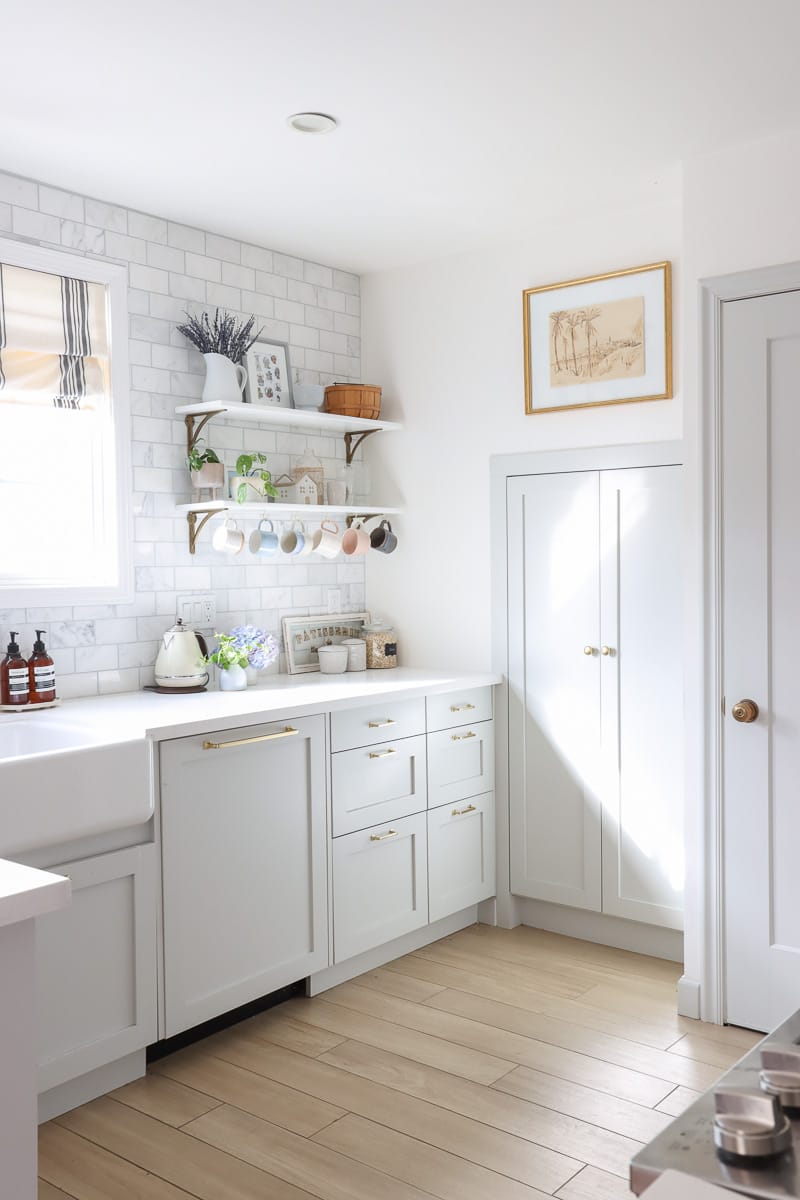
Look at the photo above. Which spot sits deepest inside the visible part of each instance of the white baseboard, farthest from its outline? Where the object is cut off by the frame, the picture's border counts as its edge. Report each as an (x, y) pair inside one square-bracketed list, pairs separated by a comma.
[(88, 1087), (688, 998), (344, 971), (600, 928)]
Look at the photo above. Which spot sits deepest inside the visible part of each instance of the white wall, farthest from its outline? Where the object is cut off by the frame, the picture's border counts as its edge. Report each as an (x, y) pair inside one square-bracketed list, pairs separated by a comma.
[(445, 341), (740, 212), (112, 648)]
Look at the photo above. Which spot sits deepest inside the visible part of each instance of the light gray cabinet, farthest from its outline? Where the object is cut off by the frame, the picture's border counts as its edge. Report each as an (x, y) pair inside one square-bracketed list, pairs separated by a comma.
[(378, 783), (244, 865), (96, 966), (461, 855)]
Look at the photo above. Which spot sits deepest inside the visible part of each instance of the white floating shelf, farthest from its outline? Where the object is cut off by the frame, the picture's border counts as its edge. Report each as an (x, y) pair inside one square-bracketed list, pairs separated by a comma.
[(298, 418), (301, 511)]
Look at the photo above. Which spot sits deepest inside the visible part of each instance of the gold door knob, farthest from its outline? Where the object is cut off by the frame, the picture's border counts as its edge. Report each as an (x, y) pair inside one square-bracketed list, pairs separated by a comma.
[(606, 650), (588, 649), (745, 711)]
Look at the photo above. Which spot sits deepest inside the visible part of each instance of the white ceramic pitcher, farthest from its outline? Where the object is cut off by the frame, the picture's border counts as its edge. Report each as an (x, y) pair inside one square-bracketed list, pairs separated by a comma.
[(225, 380)]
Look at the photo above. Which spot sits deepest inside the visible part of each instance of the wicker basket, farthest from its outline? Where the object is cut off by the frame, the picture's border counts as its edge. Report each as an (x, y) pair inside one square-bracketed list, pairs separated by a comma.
[(353, 400)]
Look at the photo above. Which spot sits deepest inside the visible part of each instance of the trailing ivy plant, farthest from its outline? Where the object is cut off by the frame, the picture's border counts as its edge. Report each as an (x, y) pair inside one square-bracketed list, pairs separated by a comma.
[(224, 335), (197, 458), (248, 465)]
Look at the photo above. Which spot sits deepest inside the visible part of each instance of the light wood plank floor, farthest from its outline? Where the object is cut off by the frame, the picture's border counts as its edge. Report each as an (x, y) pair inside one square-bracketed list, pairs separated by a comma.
[(502, 1064)]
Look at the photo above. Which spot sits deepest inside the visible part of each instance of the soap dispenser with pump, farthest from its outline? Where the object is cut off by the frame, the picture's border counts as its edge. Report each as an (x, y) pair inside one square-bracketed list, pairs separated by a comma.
[(41, 673), (14, 686)]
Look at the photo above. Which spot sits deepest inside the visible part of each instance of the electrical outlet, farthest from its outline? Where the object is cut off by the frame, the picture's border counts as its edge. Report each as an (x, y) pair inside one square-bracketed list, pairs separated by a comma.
[(198, 611), (334, 600)]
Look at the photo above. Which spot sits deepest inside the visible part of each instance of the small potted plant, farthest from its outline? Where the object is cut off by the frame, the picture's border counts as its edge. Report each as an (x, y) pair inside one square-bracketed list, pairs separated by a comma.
[(252, 479), (231, 658), (205, 469), (260, 647), (223, 344)]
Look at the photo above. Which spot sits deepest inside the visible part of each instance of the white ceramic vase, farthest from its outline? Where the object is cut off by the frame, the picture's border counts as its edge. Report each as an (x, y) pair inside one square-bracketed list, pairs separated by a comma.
[(225, 380), (234, 679)]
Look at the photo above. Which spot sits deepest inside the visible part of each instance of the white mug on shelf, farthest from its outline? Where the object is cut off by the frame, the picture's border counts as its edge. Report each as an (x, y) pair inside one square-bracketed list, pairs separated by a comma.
[(228, 539)]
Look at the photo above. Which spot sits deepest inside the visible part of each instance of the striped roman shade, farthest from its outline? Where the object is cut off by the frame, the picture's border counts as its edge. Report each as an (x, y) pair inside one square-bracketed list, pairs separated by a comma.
[(53, 340)]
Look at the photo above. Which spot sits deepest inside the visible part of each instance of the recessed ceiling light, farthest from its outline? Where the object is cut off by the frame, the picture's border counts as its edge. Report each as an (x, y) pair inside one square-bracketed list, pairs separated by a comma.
[(310, 122)]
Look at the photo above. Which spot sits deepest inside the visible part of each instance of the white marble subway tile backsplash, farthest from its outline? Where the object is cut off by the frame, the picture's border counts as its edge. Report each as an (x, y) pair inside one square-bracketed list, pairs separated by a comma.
[(171, 267)]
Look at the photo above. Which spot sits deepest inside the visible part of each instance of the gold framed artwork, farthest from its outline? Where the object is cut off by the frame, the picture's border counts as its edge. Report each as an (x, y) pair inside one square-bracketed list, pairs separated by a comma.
[(602, 340)]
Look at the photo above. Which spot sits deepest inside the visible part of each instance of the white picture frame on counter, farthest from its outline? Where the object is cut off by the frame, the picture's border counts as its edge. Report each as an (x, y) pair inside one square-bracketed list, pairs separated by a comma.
[(269, 375), (303, 636)]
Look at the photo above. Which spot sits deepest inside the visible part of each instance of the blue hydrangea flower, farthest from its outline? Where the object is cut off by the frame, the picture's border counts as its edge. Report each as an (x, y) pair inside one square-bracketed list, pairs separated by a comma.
[(261, 647)]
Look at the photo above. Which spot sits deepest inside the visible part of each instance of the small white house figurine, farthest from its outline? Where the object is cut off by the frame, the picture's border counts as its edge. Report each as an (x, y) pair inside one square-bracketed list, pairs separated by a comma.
[(305, 490), (285, 488)]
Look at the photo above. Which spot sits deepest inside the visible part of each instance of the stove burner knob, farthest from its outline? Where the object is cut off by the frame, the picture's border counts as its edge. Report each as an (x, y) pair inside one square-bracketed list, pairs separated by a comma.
[(780, 1074), (749, 1124)]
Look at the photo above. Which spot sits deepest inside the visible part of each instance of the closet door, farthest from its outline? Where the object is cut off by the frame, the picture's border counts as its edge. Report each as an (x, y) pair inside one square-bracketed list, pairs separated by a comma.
[(554, 687), (641, 668)]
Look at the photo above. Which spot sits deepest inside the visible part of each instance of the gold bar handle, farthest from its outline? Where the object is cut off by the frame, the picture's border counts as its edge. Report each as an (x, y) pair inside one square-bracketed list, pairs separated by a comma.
[(459, 812), (381, 724), (381, 753), (263, 737), (381, 837), (462, 737), (461, 707)]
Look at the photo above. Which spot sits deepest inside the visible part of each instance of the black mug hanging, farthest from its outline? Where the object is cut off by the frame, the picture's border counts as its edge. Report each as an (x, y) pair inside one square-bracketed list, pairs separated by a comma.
[(383, 539)]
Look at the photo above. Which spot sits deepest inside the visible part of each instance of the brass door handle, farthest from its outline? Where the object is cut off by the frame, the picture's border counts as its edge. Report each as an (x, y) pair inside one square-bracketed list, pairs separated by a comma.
[(263, 737), (462, 737), (380, 724), (459, 812), (381, 837), (461, 707), (589, 650), (745, 711), (382, 753)]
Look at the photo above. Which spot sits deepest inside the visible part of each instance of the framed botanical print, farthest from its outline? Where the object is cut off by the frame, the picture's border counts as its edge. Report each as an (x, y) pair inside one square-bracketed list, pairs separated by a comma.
[(606, 339), (269, 380), (303, 636)]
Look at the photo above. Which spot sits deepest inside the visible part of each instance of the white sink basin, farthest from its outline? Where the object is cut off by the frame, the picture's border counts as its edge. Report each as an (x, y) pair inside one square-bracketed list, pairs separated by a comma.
[(60, 781), (32, 735)]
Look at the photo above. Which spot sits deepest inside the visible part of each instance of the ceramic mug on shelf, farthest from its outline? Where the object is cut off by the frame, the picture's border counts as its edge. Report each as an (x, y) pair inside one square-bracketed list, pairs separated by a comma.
[(383, 538), (228, 539), (308, 544), (326, 540), (356, 541), (263, 539), (293, 540)]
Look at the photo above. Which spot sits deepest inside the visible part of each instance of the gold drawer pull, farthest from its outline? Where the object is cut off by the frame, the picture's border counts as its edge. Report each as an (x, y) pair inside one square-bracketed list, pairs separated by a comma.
[(462, 737), (459, 812), (461, 707), (263, 737), (381, 837), (381, 724), (381, 753)]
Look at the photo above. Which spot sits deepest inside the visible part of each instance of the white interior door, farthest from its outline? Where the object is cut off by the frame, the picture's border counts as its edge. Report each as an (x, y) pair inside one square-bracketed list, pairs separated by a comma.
[(761, 656), (641, 656), (554, 687)]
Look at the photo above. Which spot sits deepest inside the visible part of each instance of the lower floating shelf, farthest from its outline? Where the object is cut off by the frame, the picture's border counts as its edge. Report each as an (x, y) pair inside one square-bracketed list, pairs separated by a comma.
[(198, 514)]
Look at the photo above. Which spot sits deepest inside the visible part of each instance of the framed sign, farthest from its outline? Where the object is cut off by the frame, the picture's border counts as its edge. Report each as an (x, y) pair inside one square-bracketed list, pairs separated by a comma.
[(602, 340), (269, 380), (303, 636)]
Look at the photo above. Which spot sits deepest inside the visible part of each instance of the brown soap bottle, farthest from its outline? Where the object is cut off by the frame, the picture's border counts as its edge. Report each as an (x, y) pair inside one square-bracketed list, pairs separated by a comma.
[(41, 673), (13, 675)]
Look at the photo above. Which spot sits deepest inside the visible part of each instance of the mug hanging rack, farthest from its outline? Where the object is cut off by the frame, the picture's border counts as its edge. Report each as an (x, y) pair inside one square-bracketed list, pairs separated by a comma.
[(198, 516)]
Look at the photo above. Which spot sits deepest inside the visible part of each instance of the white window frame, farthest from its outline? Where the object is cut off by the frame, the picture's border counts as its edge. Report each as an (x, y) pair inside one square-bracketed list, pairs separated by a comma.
[(115, 280)]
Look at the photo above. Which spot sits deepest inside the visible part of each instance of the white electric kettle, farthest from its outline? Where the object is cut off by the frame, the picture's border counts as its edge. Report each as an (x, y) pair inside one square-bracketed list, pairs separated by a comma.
[(181, 659)]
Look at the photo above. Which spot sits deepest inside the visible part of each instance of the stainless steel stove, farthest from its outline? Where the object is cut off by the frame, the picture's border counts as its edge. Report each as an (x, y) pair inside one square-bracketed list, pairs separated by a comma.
[(742, 1134)]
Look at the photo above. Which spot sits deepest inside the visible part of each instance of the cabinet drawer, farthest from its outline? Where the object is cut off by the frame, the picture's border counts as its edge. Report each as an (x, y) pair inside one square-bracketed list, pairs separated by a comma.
[(460, 763), (380, 885), (376, 722), (378, 783), (459, 708), (461, 855)]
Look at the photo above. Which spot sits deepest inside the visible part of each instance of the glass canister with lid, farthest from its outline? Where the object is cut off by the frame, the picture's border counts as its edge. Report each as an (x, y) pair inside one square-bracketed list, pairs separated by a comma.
[(381, 642)]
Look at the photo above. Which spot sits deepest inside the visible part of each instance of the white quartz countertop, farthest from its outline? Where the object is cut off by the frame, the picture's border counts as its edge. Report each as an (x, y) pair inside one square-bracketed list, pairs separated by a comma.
[(26, 892), (134, 715)]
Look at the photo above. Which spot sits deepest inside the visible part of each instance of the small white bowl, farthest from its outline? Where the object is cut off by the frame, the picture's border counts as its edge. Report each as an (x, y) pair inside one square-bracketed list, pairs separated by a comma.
[(333, 660)]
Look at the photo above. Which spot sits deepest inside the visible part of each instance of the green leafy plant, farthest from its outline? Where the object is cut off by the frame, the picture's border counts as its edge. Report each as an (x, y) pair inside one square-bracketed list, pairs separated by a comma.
[(229, 653), (197, 458), (249, 465)]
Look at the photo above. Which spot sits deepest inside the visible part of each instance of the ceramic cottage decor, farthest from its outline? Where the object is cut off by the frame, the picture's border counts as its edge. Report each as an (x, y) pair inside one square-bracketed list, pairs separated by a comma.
[(309, 480), (223, 344), (284, 489)]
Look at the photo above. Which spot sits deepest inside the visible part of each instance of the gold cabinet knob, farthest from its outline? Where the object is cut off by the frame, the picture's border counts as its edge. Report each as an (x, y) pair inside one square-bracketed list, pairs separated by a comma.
[(588, 649), (745, 711)]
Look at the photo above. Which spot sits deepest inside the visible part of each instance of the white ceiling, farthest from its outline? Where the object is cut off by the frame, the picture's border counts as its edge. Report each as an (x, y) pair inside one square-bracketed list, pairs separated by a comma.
[(462, 121)]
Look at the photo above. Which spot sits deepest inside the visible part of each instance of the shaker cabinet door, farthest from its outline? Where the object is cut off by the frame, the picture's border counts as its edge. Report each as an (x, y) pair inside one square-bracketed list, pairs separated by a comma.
[(461, 856), (378, 783), (460, 763)]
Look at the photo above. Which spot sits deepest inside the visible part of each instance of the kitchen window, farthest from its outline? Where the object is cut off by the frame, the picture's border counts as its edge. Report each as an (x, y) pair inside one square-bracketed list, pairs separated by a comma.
[(64, 429)]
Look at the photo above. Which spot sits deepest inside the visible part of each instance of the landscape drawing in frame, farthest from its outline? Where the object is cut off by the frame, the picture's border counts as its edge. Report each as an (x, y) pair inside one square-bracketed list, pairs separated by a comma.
[(606, 339)]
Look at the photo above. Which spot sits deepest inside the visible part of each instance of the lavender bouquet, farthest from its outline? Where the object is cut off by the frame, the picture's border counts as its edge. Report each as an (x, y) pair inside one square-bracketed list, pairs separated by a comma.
[(260, 647)]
